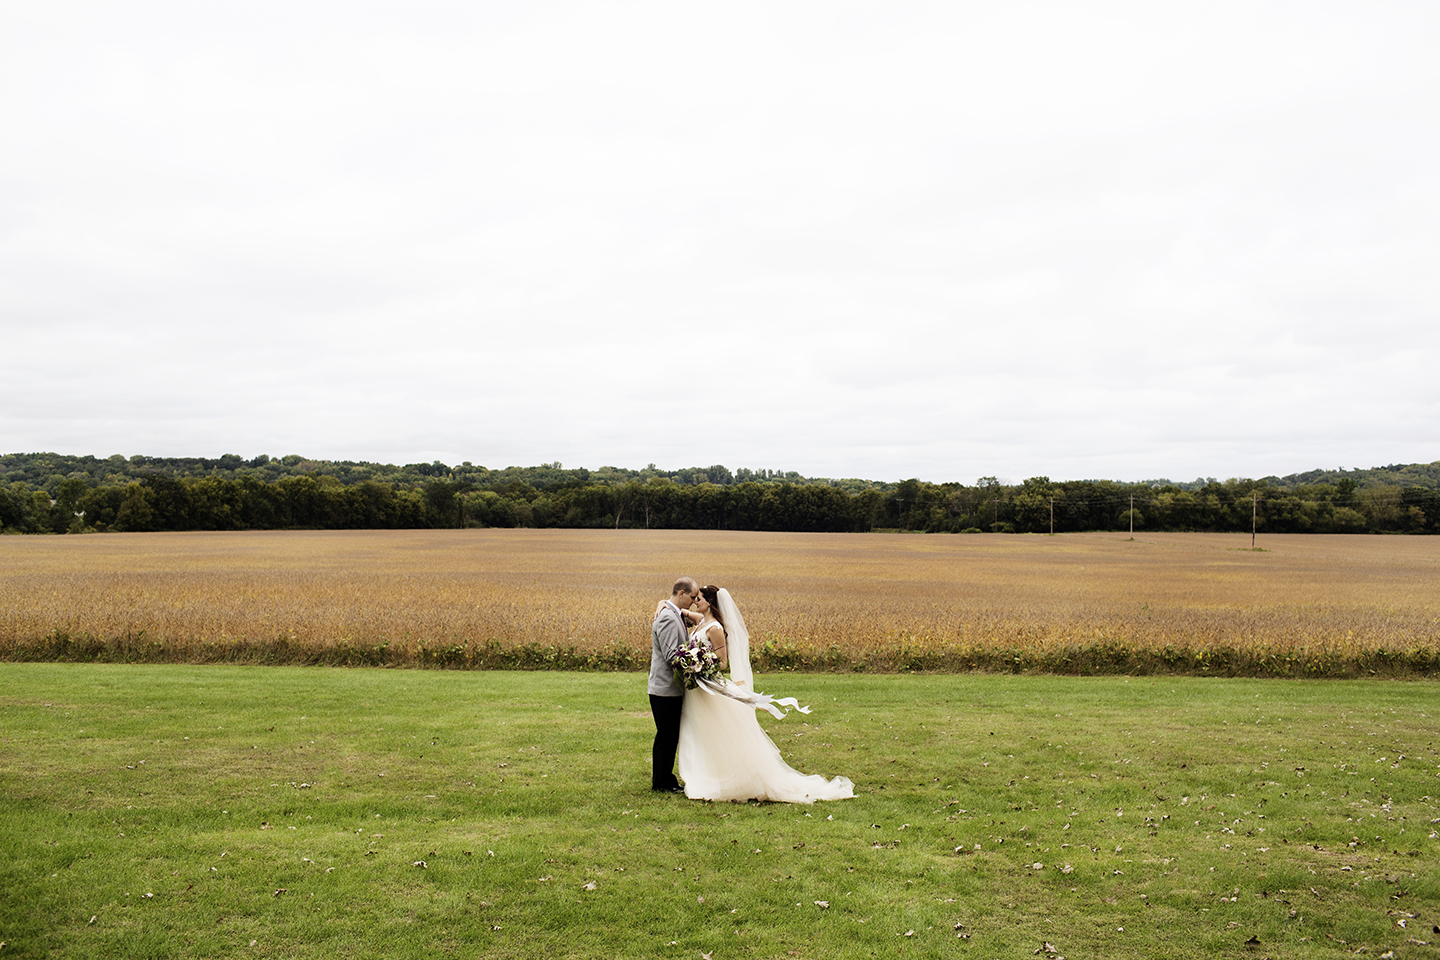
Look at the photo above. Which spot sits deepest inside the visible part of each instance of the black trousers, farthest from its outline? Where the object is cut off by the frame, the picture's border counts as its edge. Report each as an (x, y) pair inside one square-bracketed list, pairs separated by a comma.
[(666, 711)]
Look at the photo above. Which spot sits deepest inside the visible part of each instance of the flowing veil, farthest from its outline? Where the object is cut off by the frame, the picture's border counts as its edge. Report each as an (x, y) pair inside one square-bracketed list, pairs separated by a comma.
[(737, 639)]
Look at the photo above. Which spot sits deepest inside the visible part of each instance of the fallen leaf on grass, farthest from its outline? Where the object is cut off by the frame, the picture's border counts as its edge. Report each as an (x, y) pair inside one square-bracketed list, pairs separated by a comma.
[(589, 886), (823, 904)]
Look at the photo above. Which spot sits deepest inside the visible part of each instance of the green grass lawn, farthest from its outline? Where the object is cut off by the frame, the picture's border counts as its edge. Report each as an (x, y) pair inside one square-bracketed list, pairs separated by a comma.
[(159, 811)]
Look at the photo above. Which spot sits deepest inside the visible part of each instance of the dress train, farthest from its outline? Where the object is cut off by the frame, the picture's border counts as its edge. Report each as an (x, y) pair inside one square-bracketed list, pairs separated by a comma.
[(725, 754)]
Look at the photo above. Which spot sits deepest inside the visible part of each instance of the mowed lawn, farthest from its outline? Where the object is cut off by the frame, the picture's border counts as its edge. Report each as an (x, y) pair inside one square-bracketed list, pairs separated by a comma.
[(1307, 605), (222, 811)]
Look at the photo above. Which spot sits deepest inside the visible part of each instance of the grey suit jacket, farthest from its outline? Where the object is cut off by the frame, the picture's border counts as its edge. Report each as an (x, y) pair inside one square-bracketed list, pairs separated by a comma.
[(666, 635)]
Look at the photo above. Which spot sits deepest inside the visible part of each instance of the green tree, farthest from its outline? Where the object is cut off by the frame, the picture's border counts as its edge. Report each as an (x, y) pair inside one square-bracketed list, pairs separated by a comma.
[(135, 512), (441, 507), (169, 502), (215, 504), (16, 508), (66, 514), (300, 504), (1031, 505)]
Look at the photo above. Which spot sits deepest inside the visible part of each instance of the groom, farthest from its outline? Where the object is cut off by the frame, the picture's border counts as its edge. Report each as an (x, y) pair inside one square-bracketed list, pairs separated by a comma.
[(667, 693)]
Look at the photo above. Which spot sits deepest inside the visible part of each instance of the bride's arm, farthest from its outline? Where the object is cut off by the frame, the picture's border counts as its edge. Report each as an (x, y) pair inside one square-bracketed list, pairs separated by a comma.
[(687, 615), (716, 635)]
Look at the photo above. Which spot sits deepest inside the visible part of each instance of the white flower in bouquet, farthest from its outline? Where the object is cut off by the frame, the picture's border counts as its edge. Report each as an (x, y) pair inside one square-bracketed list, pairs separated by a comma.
[(696, 660)]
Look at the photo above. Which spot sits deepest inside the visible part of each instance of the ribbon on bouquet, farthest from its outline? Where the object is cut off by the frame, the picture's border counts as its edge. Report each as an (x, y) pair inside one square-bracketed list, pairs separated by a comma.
[(760, 701)]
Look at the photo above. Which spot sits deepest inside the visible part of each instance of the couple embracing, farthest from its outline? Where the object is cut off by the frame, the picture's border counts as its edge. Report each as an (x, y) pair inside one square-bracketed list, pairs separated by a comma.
[(723, 752)]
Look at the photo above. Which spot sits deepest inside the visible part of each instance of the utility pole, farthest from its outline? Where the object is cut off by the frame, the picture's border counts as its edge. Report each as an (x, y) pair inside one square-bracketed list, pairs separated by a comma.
[(1132, 516), (995, 527), (1254, 509), (1052, 516)]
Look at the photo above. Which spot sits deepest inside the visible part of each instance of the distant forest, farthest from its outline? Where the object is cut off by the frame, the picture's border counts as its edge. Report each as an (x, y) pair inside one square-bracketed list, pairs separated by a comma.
[(51, 493)]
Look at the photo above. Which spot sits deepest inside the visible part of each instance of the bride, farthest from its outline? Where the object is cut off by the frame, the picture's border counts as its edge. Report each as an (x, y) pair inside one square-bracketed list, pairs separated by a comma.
[(724, 754)]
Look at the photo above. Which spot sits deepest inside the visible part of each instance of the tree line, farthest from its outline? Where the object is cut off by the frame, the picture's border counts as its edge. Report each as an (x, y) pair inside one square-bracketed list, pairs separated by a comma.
[(246, 495), (49, 470)]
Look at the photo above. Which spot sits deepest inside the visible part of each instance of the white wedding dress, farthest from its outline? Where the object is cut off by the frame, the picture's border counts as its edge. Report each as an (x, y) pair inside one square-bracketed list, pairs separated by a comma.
[(724, 753)]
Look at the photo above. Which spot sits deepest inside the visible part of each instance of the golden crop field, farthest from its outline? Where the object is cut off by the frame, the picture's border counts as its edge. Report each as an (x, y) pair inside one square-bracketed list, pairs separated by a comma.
[(837, 601)]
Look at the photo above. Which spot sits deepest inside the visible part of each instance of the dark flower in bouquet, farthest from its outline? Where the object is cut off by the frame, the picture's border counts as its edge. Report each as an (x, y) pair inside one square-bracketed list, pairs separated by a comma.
[(696, 660)]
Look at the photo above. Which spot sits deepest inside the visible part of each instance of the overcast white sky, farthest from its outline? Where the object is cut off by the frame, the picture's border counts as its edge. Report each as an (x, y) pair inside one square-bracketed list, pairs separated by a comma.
[(884, 240)]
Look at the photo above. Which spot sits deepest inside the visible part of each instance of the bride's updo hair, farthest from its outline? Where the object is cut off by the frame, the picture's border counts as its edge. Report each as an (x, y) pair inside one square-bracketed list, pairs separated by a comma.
[(711, 593)]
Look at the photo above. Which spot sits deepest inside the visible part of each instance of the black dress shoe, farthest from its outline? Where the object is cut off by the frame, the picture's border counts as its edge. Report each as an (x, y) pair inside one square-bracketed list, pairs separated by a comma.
[(680, 790)]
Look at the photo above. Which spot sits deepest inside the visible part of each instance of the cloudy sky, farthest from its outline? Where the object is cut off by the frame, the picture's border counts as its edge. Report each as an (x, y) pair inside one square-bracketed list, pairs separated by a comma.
[(1124, 240)]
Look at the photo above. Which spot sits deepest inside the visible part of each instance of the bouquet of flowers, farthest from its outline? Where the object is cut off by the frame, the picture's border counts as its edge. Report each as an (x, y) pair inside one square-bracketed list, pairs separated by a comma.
[(696, 660)]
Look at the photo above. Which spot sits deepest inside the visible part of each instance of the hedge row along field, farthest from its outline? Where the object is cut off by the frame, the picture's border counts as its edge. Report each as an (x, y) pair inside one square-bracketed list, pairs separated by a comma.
[(1301, 605)]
